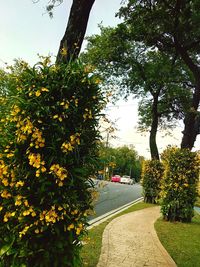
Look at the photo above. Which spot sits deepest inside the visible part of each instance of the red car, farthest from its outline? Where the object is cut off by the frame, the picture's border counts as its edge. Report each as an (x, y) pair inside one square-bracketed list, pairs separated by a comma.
[(116, 179)]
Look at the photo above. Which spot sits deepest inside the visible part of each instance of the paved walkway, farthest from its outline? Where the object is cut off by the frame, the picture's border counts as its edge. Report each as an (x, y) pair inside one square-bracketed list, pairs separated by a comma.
[(131, 241)]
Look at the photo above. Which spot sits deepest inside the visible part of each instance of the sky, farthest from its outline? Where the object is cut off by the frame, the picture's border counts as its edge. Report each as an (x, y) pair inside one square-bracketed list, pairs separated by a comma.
[(27, 30)]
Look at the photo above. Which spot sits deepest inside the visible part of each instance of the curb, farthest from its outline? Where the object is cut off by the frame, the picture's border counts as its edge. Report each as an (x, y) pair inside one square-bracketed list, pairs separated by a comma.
[(111, 213)]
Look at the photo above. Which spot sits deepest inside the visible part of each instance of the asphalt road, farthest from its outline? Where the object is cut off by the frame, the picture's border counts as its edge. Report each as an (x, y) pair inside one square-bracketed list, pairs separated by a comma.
[(114, 195)]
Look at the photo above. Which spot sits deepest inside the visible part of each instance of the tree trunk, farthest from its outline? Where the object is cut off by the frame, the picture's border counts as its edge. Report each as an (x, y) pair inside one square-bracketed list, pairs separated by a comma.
[(191, 126), (191, 121), (71, 42), (154, 128)]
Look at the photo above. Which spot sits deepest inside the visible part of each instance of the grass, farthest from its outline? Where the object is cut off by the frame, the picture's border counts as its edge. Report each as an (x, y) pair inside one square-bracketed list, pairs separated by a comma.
[(181, 240), (91, 250)]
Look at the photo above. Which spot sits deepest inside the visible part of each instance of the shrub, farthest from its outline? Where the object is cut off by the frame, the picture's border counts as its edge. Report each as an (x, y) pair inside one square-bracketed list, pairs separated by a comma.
[(152, 171), (179, 185), (48, 141)]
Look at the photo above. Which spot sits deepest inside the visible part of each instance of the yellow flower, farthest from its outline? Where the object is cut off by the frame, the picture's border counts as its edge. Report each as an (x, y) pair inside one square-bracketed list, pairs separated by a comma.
[(43, 89), (5, 219), (60, 172), (23, 232), (35, 160), (5, 194), (55, 116), (66, 106), (37, 93), (63, 51), (33, 214), (26, 203), (67, 147), (18, 203), (74, 212), (26, 213), (43, 169), (5, 182), (20, 183), (60, 183), (71, 226)]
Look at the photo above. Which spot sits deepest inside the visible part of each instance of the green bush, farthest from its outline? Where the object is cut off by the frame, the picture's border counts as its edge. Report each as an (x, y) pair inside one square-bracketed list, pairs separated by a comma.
[(48, 141), (179, 184), (152, 172)]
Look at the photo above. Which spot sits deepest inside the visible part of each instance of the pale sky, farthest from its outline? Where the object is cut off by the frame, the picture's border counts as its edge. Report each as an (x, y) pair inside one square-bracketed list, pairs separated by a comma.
[(26, 31)]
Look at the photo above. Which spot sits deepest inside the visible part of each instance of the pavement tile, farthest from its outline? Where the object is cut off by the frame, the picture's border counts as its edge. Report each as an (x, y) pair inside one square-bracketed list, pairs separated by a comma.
[(131, 241)]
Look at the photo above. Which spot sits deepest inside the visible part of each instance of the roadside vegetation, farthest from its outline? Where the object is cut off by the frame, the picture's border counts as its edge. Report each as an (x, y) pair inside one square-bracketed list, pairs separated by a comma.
[(121, 160), (181, 240)]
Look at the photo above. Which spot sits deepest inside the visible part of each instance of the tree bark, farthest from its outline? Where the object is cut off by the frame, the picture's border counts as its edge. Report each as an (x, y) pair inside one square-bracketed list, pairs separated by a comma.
[(154, 128), (191, 126), (191, 121), (72, 40)]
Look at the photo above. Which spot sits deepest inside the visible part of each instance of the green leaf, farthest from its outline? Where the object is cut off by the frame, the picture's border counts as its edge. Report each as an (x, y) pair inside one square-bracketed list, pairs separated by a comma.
[(4, 249)]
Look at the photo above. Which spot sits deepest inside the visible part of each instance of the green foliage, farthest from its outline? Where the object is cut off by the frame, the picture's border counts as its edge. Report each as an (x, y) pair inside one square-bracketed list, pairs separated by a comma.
[(152, 172), (179, 184), (139, 71), (148, 74), (121, 160), (181, 240), (48, 144), (148, 22)]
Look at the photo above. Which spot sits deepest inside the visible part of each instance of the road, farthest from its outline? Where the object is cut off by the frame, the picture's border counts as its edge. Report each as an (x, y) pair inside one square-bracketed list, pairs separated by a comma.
[(114, 195)]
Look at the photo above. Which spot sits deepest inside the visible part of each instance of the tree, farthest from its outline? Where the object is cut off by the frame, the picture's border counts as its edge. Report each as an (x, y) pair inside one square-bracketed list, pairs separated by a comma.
[(75, 31), (71, 42), (127, 161), (172, 27), (121, 160), (147, 74)]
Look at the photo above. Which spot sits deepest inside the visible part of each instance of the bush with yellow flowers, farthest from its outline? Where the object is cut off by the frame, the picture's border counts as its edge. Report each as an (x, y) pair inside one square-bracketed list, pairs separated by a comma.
[(48, 142), (152, 172), (179, 185)]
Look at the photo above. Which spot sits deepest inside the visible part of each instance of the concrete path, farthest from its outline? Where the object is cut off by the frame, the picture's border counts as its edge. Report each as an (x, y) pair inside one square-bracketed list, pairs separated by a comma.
[(131, 241)]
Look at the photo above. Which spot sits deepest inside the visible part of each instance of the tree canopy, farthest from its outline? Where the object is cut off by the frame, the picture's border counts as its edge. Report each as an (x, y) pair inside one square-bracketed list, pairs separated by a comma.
[(172, 27), (121, 160), (161, 85)]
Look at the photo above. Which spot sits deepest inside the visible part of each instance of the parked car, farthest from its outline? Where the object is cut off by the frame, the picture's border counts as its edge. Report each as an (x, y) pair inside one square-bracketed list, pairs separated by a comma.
[(126, 180), (116, 179)]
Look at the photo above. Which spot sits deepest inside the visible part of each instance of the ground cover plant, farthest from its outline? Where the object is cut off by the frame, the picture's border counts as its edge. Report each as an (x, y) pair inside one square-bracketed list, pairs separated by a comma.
[(181, 240), (48, 145)]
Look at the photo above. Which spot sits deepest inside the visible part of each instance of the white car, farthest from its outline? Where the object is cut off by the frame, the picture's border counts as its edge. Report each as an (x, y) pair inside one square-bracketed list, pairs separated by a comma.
[(126, 180)]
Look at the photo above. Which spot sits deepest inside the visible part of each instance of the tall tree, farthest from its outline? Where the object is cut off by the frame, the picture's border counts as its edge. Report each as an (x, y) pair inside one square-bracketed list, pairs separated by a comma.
[(72, 40), (75, 31), (146, 74), (171, 26)]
